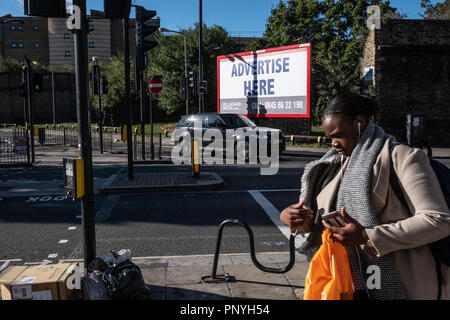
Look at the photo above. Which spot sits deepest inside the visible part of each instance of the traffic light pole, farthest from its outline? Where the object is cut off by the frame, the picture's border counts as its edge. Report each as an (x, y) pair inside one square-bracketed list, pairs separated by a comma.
[(53, 97), (186, 76), (152, 150), (30, 108), (82, 95), (126, 49), (141, 82), (100, 114)]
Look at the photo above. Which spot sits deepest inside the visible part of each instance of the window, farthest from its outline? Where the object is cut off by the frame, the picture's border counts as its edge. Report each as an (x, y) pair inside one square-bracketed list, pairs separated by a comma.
[(20, 44), (91, 27), (21, 62), (91, 45), (214, 121), (20, 28), (67, 53), (36, 44), (36, 28), (13, 28), (66, 36), (13, 45)]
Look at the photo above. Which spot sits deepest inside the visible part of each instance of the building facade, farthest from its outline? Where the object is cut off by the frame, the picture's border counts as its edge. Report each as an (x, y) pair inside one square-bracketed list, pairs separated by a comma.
[(408, 64), (50, 42)]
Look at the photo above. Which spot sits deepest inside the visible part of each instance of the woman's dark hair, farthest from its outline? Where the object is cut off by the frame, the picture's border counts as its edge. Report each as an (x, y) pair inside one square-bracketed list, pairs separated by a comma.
[(351, 105)]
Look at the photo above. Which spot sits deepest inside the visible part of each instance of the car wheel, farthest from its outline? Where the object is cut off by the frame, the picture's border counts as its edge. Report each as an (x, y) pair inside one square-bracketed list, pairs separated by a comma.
[(242, 150)]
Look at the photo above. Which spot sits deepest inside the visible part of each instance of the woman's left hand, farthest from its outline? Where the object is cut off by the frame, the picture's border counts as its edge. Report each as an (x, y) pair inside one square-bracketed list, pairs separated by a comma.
[(351, 234)]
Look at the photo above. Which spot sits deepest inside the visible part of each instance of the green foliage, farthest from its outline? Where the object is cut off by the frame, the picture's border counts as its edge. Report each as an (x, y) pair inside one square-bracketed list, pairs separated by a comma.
[(337, 32), (436, 11), (10, 65), (114, 102), (168, 60)]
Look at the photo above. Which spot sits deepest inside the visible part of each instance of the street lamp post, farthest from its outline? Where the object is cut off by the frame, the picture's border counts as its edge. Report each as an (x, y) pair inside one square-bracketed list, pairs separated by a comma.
[(200, 56), (185, 60)]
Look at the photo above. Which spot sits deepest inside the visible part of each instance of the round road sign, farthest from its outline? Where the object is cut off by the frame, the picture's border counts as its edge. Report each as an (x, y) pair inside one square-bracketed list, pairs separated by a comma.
[(155, 85)]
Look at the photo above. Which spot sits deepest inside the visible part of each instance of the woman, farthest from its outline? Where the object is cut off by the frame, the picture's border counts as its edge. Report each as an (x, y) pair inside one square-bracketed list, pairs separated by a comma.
[(353, 177)]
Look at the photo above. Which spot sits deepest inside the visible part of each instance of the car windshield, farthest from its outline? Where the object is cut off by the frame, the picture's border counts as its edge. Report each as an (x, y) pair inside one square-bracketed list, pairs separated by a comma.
[(186, 121), (237, 121)]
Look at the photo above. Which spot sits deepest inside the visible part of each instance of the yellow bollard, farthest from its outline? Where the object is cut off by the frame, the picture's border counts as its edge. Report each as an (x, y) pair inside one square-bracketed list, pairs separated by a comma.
[(124, 132), (195, 158)]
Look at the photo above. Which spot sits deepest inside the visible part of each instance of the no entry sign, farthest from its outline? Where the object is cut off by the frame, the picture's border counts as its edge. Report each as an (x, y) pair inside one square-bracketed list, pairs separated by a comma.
[(155, 85)]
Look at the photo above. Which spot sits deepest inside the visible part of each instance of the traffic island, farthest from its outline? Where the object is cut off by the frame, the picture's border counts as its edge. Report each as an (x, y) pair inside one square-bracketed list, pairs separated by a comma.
[(161, 182)]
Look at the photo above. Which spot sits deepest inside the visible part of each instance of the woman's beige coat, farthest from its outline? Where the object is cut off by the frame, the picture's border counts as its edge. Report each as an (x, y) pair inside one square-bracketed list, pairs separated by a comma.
[(405, 236)]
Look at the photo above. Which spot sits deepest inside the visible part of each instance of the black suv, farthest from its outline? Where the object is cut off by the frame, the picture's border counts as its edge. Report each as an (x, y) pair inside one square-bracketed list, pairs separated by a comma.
[(223, 122)]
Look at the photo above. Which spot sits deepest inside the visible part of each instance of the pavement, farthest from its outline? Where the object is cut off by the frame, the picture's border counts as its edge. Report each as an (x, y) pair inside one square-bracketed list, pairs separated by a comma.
[(180, 277)]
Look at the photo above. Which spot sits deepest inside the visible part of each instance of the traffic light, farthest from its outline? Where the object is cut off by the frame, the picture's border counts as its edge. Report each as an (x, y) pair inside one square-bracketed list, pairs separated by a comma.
[(23, 84), (142, 31), (23, 89), (183, 89), (103, 85), (193, 81), (45, 8), (117, 9), (95, 78), (204, 86), (36, 82)]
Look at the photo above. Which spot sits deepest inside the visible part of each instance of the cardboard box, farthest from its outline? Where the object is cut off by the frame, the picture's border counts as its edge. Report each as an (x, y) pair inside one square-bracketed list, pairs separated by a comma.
[(46, 282)]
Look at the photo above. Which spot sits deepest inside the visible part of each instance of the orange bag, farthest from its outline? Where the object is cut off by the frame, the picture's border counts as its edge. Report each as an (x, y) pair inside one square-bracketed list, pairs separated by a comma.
[(329, 276)]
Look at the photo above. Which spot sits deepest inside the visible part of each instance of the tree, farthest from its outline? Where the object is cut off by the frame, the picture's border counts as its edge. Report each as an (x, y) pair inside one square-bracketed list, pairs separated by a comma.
[(168, 60), (10, 65), (337, 31), (114, 103), (437, 11)]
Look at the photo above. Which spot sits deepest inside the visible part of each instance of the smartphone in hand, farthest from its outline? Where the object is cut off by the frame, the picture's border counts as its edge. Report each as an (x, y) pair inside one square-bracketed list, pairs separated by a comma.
[(334, 218)]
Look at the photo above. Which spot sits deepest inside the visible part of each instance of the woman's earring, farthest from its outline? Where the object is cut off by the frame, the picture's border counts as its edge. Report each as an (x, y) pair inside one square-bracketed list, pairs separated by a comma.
[(359, 130)]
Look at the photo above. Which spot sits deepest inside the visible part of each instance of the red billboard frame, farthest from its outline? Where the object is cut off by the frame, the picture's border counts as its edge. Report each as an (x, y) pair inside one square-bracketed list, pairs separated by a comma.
[(307, 46)]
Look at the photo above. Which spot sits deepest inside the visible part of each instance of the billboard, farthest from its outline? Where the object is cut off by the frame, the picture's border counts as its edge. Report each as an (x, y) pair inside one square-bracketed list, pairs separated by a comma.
[(265, 83)]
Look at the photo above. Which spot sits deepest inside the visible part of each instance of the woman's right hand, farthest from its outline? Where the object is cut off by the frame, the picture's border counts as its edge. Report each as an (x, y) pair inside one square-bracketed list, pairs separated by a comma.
[(297, 218)]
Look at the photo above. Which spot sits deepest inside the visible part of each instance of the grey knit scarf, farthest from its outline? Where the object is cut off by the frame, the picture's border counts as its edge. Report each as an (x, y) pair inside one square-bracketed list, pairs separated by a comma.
[(354, 195)]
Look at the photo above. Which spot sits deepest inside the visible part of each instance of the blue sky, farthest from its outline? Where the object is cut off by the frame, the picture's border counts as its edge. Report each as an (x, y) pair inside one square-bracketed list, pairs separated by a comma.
[(238, 17)]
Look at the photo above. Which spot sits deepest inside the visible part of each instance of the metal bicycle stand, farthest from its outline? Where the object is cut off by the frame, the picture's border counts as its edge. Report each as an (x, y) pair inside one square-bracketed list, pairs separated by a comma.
[(215, 278)]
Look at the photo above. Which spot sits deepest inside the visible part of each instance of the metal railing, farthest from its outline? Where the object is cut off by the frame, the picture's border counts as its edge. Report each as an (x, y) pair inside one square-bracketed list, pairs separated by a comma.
[(14, 146), (110, 142), (150, 153)]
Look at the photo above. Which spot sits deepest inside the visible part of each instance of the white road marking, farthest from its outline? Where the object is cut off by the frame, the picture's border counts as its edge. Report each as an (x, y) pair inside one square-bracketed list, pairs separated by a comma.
[(63, 241), (72, 228), (43, 262), (107, 208), (274, 215), (52, 255), (7, 262)]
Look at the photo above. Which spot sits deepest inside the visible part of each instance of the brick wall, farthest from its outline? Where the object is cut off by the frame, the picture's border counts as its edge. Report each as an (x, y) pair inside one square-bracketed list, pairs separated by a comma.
[(412, 75)]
